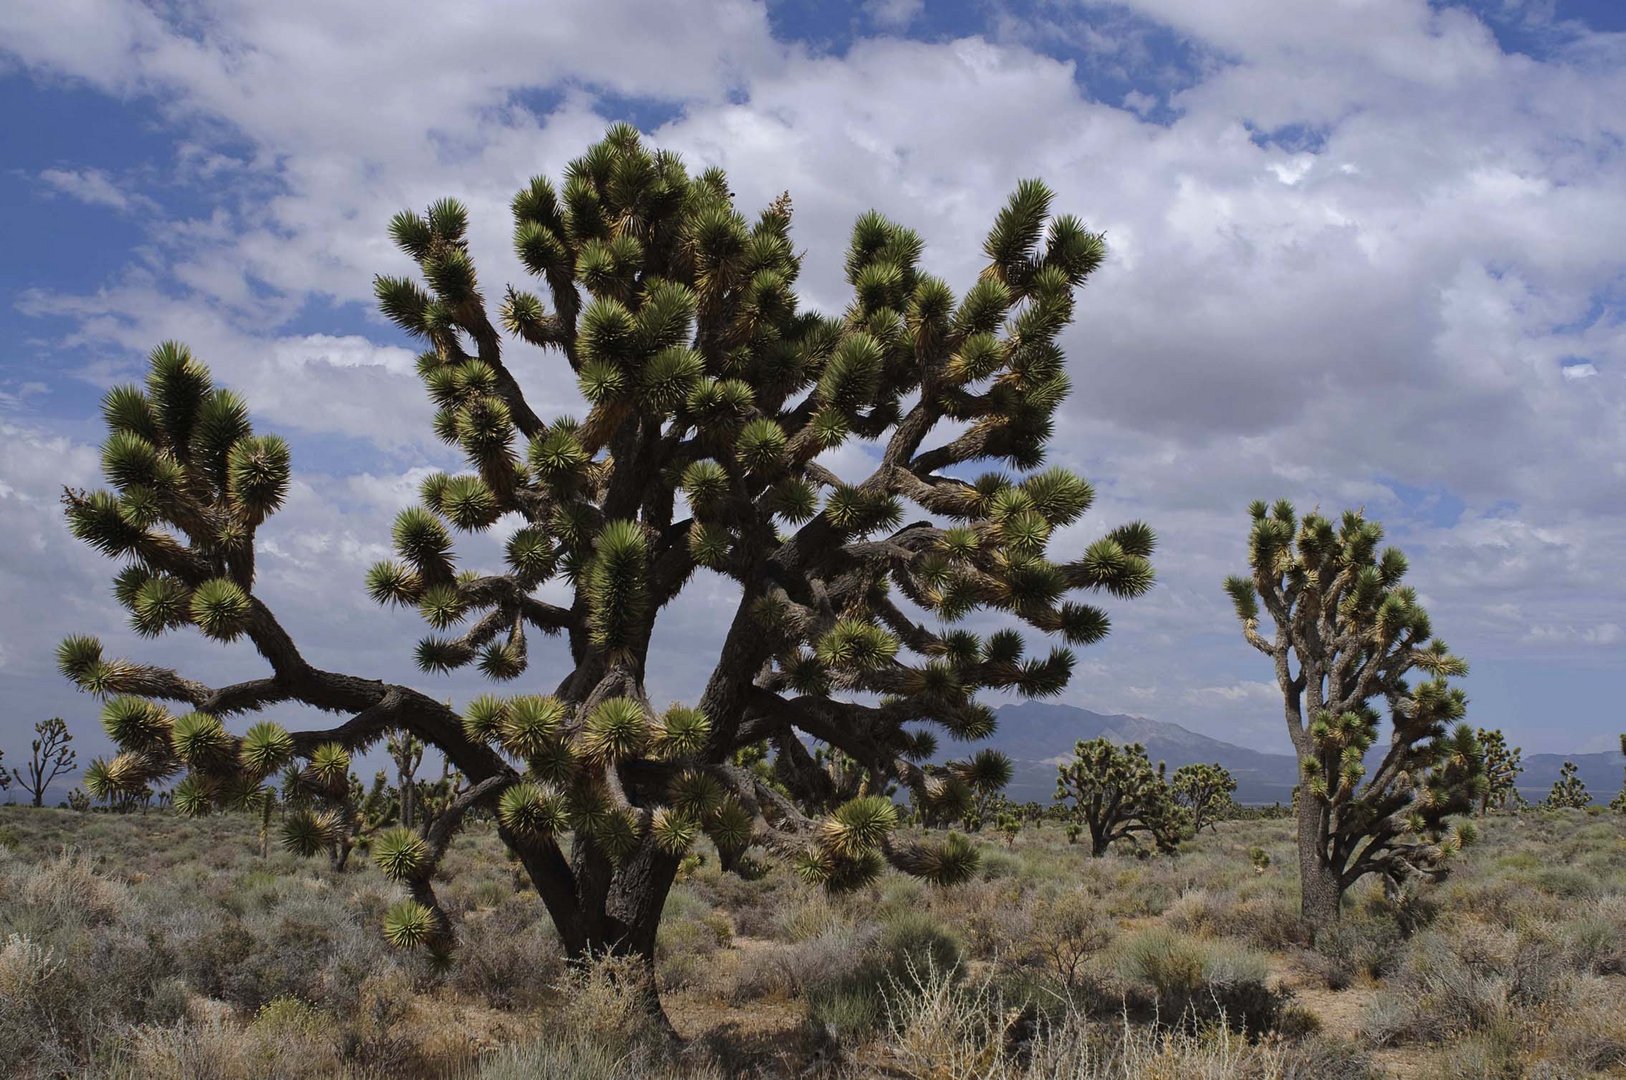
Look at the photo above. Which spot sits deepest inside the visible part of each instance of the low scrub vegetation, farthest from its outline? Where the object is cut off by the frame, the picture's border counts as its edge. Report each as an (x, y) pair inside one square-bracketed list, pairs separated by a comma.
[(155, 946)]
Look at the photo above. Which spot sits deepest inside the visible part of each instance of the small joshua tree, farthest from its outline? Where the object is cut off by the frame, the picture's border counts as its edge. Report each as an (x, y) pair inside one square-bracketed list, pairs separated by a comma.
[(1569, 791), (406, 751), (50, 756), (1618, 803), (327, 809), (1503, 764), (5, 777), (963, 791), (709, 398), (1114, 791), (1204, 790), (1008, 820), (1347, 634)]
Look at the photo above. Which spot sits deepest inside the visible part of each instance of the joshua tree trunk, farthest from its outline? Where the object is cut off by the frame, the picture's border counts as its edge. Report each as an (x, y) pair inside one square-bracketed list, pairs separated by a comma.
[(614, 912), (1319, 887), (266, 804), (1099, 842)]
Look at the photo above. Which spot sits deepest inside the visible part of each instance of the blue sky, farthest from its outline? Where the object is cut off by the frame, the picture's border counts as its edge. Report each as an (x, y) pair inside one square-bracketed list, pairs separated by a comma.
[(1363, 253)]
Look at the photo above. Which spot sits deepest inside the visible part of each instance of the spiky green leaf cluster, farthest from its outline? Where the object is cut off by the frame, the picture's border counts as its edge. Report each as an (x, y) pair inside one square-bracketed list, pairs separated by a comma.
[(191, 483)]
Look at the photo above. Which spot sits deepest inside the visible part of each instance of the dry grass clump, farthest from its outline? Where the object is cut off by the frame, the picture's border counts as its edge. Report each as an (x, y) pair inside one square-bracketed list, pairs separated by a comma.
[(599, 1030), (1187, 981)]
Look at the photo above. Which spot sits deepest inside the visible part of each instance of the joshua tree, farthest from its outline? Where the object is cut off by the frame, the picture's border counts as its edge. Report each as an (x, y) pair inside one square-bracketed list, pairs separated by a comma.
[(327, 810), (1204, 790), (1117, 794), (963, 791), (406, 750), (1569, 791), (5, 777), (1008, 820), (1618, 803), (1347, 634), (1502, 768), (50, 756), (710, 396)]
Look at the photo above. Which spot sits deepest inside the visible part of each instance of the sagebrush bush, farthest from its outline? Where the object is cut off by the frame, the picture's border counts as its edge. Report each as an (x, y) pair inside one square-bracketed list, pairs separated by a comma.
[(509, 955), (1195, 980), (851, 1006)]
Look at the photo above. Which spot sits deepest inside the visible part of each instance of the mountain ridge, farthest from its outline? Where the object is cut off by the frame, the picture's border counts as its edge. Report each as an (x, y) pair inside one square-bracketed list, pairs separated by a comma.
[(1035, 734)]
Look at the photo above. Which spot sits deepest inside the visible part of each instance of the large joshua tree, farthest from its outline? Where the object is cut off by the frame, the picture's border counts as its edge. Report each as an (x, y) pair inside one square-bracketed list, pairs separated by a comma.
[(1347, 634), (710, 396)]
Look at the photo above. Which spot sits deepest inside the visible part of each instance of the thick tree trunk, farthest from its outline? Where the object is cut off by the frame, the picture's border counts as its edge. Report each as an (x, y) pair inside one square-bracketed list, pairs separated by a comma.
[(618, 915), (1320, 891), (1099, 841)]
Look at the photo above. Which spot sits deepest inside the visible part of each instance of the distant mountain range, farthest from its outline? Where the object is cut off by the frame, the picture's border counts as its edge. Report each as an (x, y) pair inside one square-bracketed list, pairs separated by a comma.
[(1037, 735)]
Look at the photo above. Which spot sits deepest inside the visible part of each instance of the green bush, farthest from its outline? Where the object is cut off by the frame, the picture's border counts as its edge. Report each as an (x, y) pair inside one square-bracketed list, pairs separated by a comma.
[(911, 946), (1193, 981)]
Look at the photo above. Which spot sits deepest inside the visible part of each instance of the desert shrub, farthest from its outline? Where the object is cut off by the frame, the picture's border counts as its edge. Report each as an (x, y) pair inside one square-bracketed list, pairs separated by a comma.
[(1191, 980), (1359, 946), (563, 1055), (994, 917), (753, 905), (1413, 906), (295, 1029), (1067, 930), (296, 940), (804, 914), (1259, 916), (999, 863), (685, 946), (508, 956), (66, 891), (804, 968), (376, 1036), (73, 975), (1568, 882), (1590, 1033), (1461, 978), (1492, 1054), (941, 1027), (1595, 939), (910, 942)]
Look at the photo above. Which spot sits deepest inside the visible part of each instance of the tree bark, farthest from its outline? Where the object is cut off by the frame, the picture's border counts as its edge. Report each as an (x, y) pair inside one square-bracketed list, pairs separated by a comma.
[(622, 924), (1320, 891), (1099, 841)]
